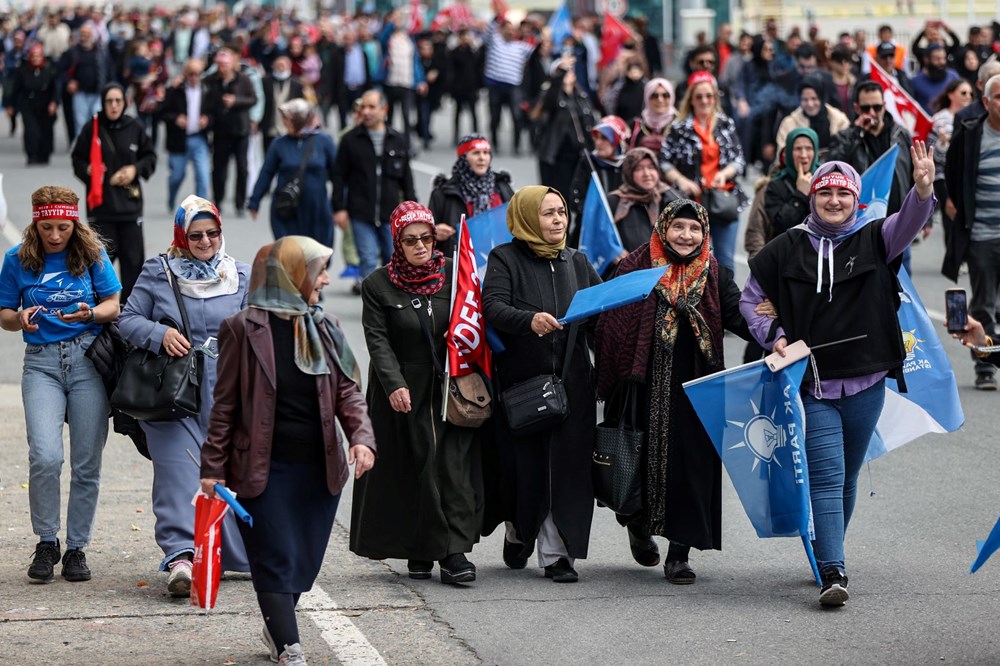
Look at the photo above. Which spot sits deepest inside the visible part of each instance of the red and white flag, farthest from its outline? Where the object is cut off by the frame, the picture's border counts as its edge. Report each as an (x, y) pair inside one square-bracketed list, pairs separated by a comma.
[(903, 108), (614, 34), (467, 346), (455, 17), (415, 20)]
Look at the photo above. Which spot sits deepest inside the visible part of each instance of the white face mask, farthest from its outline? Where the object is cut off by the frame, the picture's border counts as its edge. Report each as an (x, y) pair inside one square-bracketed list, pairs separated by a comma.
[(282, 76)]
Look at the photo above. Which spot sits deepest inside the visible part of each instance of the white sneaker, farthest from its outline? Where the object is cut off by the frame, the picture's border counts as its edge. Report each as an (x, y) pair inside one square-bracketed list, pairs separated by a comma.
[(265, 636), (179, 582), (292, 656)]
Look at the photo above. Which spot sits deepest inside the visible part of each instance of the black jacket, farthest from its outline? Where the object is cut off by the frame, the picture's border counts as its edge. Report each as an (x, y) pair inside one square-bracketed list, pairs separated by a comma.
[(567, 117), (174, 105), (367, 187), (31, 91), (784, 205), (295, 91), (465, 76), (448, 206), (960, 176), (122, 144), (234, 121), (849, 146)]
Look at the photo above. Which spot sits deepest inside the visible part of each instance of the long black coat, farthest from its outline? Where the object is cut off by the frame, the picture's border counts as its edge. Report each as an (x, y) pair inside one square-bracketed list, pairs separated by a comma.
[(425, 500), (547, 472)]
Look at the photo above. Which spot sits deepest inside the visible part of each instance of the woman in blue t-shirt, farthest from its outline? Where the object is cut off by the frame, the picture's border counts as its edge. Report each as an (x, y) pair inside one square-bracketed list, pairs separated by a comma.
[(58, 287)]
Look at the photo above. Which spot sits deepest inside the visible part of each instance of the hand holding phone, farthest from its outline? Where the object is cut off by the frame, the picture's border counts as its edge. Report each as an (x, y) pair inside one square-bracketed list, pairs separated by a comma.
[(956, 310), (71, 309), (34, 316)]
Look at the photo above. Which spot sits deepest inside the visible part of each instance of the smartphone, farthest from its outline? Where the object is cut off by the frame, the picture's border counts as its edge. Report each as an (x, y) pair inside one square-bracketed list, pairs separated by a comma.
[(71, 309), (33, 317), (956, 310)]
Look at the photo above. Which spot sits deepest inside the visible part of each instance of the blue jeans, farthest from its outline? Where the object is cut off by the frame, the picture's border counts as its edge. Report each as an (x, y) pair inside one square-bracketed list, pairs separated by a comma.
[(197, 153), (373, 243), (85, 105), (837, 435), (59, 381), (724, 242)]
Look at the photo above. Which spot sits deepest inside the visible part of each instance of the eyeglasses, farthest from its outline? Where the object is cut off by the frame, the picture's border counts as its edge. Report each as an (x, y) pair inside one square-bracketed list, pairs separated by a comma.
[(198, 235), (411, 241), (865, 108), (660, 95)]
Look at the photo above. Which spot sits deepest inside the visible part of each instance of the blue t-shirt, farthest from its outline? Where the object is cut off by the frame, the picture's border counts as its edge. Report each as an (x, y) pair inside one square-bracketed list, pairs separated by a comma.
[(54, 288)]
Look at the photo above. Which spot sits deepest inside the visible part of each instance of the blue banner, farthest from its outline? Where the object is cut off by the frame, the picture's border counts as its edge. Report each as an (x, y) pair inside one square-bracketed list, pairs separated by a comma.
[(561, 26), (876, 183), (622, 290), (487, 230), (986, 548), (599, 238)]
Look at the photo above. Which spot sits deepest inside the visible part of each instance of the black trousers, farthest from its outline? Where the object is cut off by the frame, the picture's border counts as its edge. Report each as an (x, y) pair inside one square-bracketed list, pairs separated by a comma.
[(123, 240), (224, 148), (38, 135), (345, 103), (503, 95), (405, 98), (469, 105)]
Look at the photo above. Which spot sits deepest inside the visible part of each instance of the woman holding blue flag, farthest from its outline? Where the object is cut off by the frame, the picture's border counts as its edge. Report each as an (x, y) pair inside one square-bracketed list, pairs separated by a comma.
[(653, 346), (831, 278)]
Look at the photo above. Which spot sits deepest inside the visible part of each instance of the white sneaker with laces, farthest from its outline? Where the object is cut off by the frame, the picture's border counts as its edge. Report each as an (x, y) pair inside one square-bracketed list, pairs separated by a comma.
[(292, 656), (179, 582)]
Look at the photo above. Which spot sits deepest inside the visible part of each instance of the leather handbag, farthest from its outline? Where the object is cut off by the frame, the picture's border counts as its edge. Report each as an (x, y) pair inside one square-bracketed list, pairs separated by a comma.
[(469, 400), (288, 197), (540, 403), (723, 206), (617, 468), (159, 387)]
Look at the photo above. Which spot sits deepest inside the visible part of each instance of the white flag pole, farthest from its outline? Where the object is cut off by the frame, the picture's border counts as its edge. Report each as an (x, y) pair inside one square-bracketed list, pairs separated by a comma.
[(451, 309)]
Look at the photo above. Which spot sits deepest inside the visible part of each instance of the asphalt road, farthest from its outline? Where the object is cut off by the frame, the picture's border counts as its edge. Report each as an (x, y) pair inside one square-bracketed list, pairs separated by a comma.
[(913, 537)]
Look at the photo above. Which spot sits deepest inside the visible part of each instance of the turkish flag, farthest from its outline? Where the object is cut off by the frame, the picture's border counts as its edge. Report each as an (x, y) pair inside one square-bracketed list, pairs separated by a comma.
[(95, 193), (467, 345), (614, 33), (903, 108), (415, 21)]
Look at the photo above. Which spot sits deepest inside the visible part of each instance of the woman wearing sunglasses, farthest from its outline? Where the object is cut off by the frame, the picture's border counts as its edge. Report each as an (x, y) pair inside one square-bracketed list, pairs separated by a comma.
[(213, 286), (423, 501)]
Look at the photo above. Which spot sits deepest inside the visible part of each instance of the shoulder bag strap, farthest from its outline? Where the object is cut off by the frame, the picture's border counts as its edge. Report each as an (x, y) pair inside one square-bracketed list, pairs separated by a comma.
[(172, 279), (305, 158), (426, 328)]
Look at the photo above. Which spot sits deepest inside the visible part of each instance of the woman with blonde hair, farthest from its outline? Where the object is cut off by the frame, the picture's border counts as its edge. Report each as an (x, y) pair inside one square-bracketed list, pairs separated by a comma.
[(213, 286), (58, 287)]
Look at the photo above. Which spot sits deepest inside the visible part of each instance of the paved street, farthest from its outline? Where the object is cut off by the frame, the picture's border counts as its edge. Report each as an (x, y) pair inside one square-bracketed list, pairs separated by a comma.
[(919, 514)]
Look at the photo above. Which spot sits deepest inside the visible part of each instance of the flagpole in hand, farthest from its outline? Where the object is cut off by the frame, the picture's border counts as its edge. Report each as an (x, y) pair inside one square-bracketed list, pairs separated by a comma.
[(451, 308)]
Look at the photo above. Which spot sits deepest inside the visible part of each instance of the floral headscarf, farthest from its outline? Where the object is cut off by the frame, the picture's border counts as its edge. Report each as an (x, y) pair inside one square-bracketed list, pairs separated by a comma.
[(421, 280)]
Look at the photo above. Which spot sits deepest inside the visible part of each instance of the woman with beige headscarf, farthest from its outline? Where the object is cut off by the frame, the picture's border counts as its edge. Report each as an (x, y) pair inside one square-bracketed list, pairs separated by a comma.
[(304, 143), (545, 477)]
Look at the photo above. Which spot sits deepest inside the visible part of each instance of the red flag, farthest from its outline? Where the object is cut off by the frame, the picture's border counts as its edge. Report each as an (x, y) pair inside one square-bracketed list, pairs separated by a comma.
[(467, 331), (903, 108), (415, 21), (614, 33), (95, 193)]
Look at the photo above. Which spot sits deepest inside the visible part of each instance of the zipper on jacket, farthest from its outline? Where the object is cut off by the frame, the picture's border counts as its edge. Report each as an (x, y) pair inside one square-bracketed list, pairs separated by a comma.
[(378, 191), (555, 298)]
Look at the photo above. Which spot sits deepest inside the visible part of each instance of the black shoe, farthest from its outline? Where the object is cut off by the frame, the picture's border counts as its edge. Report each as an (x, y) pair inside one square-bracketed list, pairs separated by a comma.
[(561, 572), (457, 569), (644, 549), (985, 381), (512, 555), (834, 592), (356, 288), (679, 573), (74, 566), (419, 569), (46, 555)]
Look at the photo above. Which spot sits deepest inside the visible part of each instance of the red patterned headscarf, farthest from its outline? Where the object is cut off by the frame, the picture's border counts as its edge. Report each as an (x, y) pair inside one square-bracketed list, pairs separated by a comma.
[(420, 280)]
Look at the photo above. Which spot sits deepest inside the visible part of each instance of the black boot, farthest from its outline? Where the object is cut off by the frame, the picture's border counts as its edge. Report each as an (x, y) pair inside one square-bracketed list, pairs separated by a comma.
[(457, 569), (644, 549)]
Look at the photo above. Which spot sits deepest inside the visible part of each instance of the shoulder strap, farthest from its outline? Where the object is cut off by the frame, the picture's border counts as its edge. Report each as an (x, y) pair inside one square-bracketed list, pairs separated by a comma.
[(172, 279), (426, 328), (305, 158)]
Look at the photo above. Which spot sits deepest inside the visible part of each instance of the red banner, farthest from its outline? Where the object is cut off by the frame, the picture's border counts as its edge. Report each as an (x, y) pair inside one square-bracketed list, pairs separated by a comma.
[(95, 193), (903, 108), (467, 345), (614, 33), (206, 569)]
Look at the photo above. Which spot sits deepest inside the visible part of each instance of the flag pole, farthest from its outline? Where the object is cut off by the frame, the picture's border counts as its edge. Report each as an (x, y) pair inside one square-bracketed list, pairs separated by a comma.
[(451, 309), (604, 197)]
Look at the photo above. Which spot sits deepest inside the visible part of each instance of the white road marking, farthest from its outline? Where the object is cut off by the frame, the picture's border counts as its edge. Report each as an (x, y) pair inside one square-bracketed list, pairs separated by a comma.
[(11, 233), (347, 641), (425, 168)]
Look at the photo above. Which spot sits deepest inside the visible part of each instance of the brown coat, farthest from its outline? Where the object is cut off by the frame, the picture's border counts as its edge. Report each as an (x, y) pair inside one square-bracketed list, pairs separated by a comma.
[(238, 446)]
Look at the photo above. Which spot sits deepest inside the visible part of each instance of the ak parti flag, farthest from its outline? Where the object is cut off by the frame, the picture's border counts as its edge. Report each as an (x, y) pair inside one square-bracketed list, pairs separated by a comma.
[(467, 346), (903, 108), (95, 193), (614, 33)]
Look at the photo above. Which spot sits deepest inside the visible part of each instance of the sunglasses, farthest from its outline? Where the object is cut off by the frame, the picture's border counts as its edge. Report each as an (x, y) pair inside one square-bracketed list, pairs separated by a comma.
[(865, 108), (411, 241), (198, 235), (660, 95)]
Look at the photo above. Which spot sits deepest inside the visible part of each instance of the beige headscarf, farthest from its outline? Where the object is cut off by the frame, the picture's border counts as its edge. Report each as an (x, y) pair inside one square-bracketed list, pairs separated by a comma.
[(522, 220)]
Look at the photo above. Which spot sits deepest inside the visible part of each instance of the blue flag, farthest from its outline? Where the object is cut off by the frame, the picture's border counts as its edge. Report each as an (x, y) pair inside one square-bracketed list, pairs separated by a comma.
[(986, 548), (756, 421), (876, 183), (487, 230), (612, 294), (561, 26), (931, 403), (599, 238)]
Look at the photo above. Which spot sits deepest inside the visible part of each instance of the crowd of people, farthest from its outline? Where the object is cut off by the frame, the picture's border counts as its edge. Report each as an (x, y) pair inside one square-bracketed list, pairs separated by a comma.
[(672, 158)]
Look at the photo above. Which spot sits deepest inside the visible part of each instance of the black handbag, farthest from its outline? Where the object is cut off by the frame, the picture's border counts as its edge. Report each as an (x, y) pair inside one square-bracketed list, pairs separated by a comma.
[(723, 206), (617, 468), (288, 197), (160, 387), (540, 403)]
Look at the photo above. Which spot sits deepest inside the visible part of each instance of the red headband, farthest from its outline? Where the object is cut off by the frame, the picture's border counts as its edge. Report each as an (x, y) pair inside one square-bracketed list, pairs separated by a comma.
[(410, 212), (835, 179), (473, 144), (701, 77), (57, 211)]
